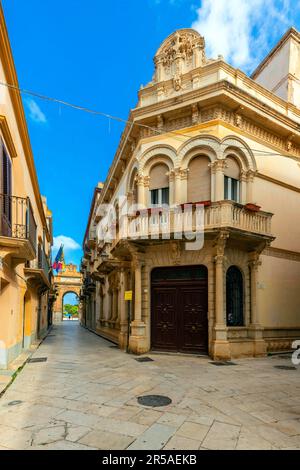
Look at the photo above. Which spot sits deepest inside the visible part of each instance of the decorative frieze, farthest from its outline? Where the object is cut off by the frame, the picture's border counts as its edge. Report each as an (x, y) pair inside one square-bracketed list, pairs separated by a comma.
[(229, 117)]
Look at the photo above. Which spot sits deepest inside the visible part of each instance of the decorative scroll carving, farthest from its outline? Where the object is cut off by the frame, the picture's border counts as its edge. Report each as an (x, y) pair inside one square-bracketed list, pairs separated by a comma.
[(176, 250), (181, 52)]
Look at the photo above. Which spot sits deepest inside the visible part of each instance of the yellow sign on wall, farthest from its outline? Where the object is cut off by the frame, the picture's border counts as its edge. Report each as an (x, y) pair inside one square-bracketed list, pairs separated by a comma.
[(128, 295)]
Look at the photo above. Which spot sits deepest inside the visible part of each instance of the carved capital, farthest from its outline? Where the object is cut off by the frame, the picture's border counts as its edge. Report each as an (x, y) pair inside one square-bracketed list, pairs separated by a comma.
[(218, 165), (146, 181), (139, 179)]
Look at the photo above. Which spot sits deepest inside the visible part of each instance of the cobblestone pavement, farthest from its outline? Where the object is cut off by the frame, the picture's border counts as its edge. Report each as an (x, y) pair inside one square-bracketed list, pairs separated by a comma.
[(85, 397)]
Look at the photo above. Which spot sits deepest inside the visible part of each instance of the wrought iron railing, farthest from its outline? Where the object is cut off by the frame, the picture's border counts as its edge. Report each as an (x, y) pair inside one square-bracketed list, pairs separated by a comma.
[(17, 219), (41, 263)]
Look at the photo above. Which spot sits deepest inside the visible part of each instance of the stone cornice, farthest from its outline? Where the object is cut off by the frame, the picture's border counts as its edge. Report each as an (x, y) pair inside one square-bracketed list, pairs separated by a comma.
[(282, 253), (236, 77), (278, 182), (216, 92)]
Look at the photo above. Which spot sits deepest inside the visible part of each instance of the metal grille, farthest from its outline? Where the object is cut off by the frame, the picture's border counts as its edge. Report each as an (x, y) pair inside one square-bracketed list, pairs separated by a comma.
[(144, 359), (154, 400), (223, 363), (285, 367), (37, 359)]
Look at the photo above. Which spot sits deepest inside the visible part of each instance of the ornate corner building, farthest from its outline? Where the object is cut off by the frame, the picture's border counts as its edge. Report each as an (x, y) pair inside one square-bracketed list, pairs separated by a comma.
[(207, 135)]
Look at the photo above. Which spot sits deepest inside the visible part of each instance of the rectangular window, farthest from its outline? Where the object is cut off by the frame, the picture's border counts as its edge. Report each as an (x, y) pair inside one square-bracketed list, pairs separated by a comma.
[(159, 196), (5, 189), (231, 189)]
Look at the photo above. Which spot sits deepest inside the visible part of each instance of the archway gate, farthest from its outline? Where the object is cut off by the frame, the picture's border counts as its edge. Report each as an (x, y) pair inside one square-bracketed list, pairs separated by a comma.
[(68, 281)]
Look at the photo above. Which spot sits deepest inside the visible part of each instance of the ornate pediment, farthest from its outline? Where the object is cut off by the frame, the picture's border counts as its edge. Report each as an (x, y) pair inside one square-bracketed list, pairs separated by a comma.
[(180, 53)]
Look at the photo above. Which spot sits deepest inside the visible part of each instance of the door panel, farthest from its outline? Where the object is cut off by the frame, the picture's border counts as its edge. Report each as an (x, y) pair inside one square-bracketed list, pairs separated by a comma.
[(164, 329), (193, 319)]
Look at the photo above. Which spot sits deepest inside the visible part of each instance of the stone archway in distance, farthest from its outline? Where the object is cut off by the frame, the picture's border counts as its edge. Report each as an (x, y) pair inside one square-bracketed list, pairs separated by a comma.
[(69, 291), (66, 282)]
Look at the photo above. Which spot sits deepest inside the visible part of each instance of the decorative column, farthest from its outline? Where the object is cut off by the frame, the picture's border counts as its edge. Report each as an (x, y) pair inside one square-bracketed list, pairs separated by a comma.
[(147, 191), (183, 185), (244, 187), (137, 340), (122, 311), (255, 328), (177, 186), (140, 190), (250, 181), (218, 167), (221, 348)]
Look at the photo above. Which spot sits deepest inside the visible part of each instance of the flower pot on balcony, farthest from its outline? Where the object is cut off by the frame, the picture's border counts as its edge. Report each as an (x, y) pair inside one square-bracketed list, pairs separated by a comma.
[(194, 204), (252, 207)]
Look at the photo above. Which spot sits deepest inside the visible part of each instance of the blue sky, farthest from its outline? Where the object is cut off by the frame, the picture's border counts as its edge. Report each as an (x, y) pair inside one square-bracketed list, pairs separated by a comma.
[(97, 54)]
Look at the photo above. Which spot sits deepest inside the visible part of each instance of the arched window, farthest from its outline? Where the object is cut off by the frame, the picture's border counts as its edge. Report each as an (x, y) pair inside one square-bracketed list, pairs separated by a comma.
[(232, 180), (234, 297), (133, 188), (199, 180), (159, 184)]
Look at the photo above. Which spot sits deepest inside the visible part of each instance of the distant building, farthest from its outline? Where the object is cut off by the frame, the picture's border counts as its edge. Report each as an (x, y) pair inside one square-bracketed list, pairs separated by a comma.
[(66, 282), (212, 137), (25, 224)]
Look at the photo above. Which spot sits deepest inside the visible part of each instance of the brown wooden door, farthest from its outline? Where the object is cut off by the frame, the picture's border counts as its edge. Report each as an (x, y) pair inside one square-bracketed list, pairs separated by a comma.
[(164, 318), (179, 310)]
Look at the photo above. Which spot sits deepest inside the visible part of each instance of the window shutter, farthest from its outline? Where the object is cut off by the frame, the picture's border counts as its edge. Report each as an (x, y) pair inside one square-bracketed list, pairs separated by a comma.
[(199, 180), (159, 177), (6, 192), (233, 169)]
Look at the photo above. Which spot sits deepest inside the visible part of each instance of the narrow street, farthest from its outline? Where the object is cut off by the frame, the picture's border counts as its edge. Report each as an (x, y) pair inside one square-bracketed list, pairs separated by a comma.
[(84, 396)]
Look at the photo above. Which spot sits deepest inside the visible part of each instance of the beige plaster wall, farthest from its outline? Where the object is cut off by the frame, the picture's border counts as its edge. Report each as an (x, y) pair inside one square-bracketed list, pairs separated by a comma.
[(278, 292)]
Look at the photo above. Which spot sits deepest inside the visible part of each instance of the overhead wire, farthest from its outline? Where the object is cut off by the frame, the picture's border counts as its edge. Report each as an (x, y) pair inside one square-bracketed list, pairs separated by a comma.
[(127, 121)]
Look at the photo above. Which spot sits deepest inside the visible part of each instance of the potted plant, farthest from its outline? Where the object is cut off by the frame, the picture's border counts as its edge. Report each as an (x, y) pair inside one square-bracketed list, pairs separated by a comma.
[(250, 206)]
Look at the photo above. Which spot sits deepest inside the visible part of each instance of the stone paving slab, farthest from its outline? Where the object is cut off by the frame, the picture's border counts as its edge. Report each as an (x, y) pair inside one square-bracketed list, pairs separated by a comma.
[(85, 397)]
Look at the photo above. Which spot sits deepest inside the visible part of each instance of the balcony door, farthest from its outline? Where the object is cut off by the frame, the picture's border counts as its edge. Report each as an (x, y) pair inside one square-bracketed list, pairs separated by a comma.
[(6, 204)]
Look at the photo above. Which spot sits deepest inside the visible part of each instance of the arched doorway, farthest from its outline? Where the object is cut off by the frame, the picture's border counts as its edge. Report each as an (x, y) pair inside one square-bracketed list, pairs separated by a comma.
[(70, 305), (179, 305)]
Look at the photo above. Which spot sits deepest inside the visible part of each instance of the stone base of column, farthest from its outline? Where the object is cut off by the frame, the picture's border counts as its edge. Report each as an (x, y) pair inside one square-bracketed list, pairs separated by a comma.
[(259, 345), (138, 343), (57, 317), (123, 336), (221, 346), (221, 350)]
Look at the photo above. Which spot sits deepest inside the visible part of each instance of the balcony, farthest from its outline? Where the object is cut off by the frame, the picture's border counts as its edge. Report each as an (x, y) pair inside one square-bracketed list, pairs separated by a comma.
[(38, 270), (89, 286), (91, 239), (17, 228), (160, 224)]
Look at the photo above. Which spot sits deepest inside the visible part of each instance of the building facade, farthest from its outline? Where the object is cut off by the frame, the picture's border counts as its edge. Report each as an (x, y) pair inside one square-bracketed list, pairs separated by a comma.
[(25, 224), (208, 146)]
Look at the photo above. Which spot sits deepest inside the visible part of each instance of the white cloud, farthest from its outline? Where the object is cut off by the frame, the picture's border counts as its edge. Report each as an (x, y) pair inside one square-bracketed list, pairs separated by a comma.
[(68, 242), (243, 31), (35, 112)]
